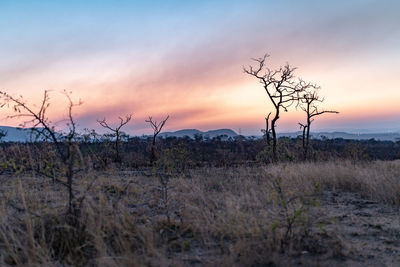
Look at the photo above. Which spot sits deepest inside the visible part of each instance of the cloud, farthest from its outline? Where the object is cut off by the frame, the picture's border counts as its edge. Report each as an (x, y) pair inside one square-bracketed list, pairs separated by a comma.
[(192, 70)]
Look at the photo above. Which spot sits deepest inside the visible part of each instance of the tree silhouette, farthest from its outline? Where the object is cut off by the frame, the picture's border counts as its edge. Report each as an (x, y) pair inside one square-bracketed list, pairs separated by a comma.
[(308, 101), (117, 133), (281, 88), (157, 127)]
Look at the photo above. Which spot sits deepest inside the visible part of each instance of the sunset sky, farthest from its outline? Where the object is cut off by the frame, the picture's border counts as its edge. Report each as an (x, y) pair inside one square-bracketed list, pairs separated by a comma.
[(186, 58)]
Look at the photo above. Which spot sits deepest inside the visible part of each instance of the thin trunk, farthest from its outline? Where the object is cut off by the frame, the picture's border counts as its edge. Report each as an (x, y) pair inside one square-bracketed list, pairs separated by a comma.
[(308, 132), (307, 139), (153, 154), (274, 139), (268, 137), (304, 140), (117, 157), (69, 175)]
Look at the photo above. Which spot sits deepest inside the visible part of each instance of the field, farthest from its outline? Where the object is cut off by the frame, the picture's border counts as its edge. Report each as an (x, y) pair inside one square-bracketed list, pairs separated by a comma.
[(334, 213)]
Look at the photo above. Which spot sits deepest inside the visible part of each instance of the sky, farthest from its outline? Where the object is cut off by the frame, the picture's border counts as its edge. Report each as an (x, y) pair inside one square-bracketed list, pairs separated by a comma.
[(185, 59)]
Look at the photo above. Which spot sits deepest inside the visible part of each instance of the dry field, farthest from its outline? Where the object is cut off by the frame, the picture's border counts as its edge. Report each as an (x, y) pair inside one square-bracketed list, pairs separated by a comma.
[(310, 214)]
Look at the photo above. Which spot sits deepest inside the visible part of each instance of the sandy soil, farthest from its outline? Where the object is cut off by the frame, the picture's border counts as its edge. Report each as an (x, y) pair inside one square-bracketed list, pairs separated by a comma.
[(369, 232)]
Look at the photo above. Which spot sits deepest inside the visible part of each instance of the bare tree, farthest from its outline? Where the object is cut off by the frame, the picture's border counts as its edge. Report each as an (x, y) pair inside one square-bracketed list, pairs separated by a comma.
[(116, 132), (44, 129), (281, 88), (157, 127), (308, 102)]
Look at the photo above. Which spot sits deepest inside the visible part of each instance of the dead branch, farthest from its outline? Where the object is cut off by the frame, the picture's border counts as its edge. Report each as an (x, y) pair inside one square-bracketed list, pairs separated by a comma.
[(308, 101), (116, 132), (157, 127)]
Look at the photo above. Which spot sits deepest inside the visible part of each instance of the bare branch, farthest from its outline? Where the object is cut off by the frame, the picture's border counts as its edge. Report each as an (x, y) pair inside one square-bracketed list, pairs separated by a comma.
[(116, 132), (43, 127), (307, 100), (157, 126)]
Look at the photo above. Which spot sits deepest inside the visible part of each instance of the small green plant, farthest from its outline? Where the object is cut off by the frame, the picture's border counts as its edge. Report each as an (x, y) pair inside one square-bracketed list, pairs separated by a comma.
[(293, 212), (175, 160), (265, 156), (356, 152)]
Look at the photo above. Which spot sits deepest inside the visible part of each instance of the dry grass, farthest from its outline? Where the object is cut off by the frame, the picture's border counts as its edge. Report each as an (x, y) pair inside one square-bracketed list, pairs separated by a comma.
[(379, 180), (239, 216)]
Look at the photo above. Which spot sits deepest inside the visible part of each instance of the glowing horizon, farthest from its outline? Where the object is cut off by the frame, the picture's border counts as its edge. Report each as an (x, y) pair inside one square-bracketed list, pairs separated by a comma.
[(185, 60)]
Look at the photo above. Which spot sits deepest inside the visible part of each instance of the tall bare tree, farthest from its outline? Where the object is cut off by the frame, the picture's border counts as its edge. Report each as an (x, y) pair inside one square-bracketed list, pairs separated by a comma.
[(281, 87), (157, 127), (308, 101), (116, 133)]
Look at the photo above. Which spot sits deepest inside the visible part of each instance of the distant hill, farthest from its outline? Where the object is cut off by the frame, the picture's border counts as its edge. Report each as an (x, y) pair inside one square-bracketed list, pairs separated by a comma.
[(193, 132), (14, 134), (361, 136)]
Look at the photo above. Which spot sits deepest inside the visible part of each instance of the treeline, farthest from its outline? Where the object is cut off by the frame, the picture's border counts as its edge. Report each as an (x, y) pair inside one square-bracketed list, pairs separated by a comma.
[(180, 154)]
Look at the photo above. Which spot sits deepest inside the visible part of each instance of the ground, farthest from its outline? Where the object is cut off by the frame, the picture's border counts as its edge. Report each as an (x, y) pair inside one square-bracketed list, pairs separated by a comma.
[(370, 231), (291, 214)]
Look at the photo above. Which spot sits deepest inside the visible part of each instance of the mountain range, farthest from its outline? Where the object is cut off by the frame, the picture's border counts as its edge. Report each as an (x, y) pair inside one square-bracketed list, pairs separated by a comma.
[(193, 132), (395, 136), (14, 134)]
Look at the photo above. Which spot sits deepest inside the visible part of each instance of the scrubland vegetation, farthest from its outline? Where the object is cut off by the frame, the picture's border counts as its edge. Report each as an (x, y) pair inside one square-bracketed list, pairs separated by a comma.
[(171, 214)]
